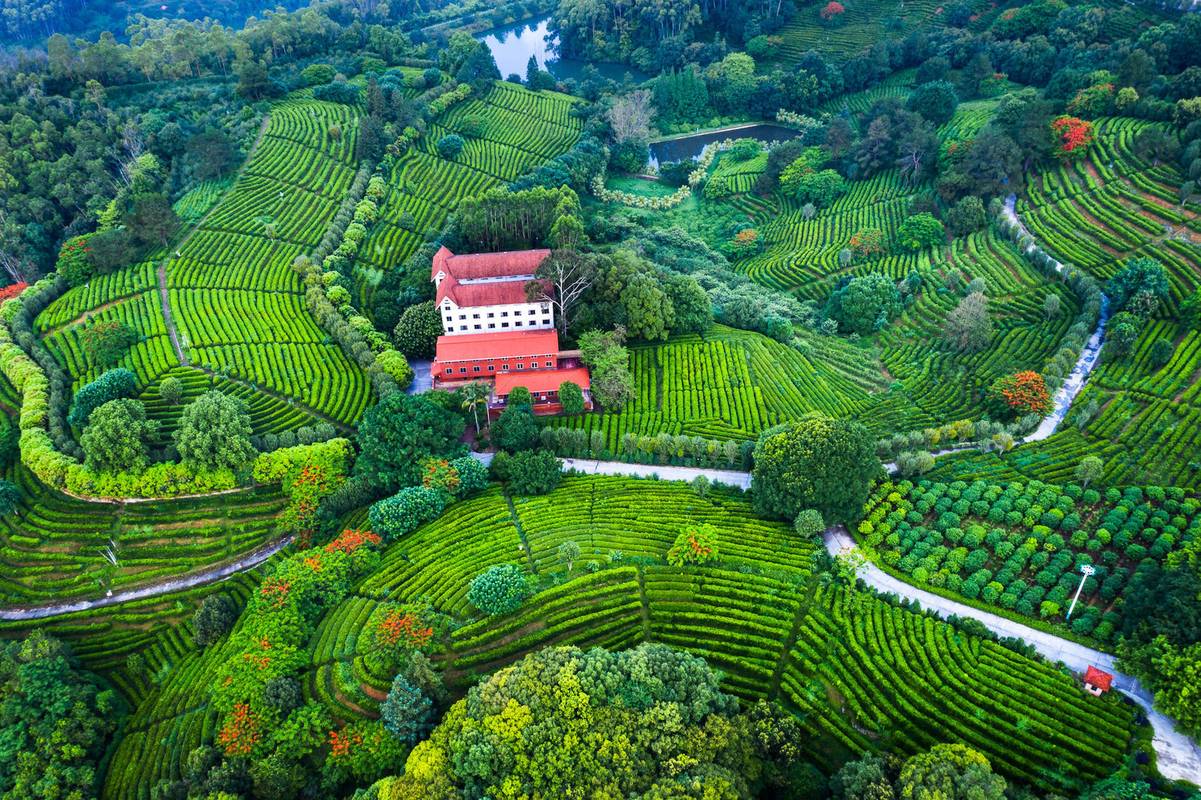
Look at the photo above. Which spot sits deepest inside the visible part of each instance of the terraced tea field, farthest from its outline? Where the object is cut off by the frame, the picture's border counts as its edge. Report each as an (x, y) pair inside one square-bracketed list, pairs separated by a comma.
[(861, 672)]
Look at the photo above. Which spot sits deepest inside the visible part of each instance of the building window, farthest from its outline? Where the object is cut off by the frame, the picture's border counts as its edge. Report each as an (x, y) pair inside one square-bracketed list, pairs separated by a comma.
[(462, 317), (477, 327), (550, 363), (462, 327), (504, 324), (450, 370), (490, 315), (504, 367), (504, 313), (491, 325), (491, 368), (533, 365), (545, 308), (521, 366), (517, 324), (475, 369), (463, 370)]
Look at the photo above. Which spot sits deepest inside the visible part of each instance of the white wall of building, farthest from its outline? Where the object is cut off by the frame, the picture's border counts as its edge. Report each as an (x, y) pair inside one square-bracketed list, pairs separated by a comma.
[(492, 319)]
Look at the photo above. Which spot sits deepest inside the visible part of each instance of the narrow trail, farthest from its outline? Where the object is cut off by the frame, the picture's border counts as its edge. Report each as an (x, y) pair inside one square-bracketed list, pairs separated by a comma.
[(189, 581)]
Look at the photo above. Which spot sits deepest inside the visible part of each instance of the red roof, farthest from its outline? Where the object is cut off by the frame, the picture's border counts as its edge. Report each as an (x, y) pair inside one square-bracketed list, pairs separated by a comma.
[(542, 380), (473, 295), (490, 267), (477, 346), (1095, 677)]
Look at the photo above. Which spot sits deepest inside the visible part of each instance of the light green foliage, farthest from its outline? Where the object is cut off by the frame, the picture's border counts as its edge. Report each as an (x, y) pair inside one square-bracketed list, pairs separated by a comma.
[(214, 433), (117, 437), (919, 232), (866, 304), (604, 743), (499, 590), (950, 772)]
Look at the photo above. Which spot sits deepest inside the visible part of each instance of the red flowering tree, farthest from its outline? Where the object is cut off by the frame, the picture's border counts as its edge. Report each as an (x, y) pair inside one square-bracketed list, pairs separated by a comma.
[(867, 243), (394, 631), (12, 290), (1071, 135), (240, 733), (350, 540), (694, 546), (833, 12), (1021, 393)]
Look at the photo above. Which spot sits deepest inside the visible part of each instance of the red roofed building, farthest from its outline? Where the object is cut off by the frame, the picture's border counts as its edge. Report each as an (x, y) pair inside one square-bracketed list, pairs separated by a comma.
[(1097, 681), (493, 333), (485, 292)]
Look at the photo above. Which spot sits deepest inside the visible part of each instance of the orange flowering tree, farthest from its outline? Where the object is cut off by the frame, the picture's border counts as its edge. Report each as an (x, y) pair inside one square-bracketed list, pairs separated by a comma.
[(363, 751), (1071, 135), (694, 545), (241, 733), (832, 13), (394, 631), (308, 474), (1021, 393), (867, 243)]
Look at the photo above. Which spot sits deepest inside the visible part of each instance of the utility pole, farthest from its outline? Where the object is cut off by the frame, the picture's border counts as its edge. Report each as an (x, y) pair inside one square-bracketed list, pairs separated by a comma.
[(1088, 570)]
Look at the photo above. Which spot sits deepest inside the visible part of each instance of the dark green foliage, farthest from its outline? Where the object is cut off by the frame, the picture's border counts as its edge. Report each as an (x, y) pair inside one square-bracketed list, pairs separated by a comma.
[(214, 433), (515, 429), (338, 92), (820, 463), (112, 385), (532, 472), (55, 721), (403, 512), (106, 343), (936, 101), (407, 713), (213, 619), (450, 145), (1138, 276), (10, 496), (499, 590), (399, 432), (919, 232), (966, 216), (416, 333), (865, 304)]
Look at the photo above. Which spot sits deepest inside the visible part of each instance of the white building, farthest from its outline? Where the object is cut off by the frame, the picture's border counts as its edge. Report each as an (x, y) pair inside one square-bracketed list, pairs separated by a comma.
[(486, 292)]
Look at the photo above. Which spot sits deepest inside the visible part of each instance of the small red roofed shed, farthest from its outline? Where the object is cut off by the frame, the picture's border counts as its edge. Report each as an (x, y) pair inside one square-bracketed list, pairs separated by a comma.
[(1097, 681)]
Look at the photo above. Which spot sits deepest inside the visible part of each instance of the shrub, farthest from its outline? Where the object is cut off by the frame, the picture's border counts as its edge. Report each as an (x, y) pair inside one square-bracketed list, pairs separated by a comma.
[(213, 619), (170, 389), (534, 472), (515, 430), (112, 385), (499, 590), (450, 146), (214, 433), (404, 511), (694, 545), (809, 523)]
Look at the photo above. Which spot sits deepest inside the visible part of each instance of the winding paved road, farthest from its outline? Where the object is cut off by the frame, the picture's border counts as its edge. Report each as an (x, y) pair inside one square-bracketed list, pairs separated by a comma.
[(188, 581), (1177, 756)]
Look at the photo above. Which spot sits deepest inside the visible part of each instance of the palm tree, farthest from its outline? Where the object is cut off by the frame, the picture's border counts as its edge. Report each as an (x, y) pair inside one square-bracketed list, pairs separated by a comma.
[(473, 394)]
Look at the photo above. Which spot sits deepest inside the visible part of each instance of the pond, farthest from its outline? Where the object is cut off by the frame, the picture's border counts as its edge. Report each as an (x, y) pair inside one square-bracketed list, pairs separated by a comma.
[(693, 145), (513, 45)]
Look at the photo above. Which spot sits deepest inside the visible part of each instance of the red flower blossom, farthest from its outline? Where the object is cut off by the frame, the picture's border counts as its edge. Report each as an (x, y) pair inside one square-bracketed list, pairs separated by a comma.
[(240, 733), (399, 627), (350, 540)]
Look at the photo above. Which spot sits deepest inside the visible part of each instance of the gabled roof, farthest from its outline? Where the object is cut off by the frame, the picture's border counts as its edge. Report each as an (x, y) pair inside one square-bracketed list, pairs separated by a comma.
[(476, 346), (485, 279), (474, 295), (1095, 677), (479, 266), (542, 380)]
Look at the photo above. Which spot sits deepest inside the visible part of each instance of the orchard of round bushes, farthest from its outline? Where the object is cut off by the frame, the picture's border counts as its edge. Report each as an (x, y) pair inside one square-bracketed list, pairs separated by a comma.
[(1020, 546)]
